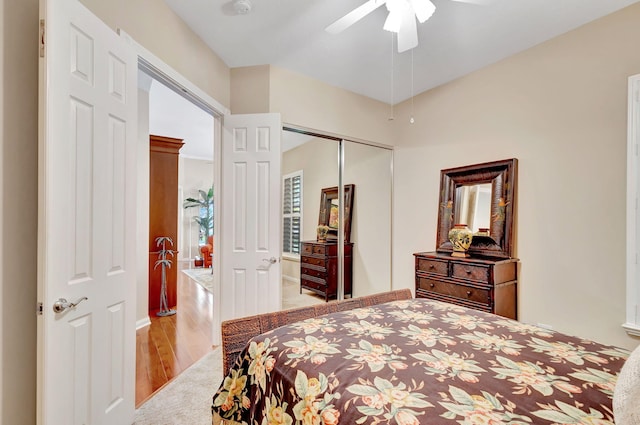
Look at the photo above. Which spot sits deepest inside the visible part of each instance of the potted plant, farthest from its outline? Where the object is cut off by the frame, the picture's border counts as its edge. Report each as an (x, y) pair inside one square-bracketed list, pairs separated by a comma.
[(205, 212)]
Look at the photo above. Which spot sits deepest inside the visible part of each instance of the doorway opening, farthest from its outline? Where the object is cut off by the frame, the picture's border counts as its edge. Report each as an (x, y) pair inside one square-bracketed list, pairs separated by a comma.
[(168, 345)]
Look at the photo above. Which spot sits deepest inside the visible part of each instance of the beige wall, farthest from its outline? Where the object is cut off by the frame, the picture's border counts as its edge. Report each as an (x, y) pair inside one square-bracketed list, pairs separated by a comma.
[(561, 109), (153, 24), (18, 215), (306, 102), (310, 103), (250, 89)]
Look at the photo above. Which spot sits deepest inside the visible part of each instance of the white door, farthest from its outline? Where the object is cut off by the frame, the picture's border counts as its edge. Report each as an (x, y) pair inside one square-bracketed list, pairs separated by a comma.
[(250, 201), (86, 236)]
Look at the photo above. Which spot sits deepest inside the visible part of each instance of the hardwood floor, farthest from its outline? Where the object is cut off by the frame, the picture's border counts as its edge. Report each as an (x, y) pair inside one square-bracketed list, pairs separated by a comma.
[(173, 343)]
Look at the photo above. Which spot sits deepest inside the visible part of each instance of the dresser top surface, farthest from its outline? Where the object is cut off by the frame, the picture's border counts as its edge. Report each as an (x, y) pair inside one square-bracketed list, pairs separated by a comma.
[(475, 259), (329, 242)]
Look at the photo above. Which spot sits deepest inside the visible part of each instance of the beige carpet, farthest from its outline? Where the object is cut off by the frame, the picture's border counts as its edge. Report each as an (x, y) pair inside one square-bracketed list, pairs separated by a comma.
[(187, 399), (292, 298), (202, 276)]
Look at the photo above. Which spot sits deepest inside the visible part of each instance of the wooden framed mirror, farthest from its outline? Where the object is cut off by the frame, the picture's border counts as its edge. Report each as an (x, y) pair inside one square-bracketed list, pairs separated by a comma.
[(329, 207), (483, 197)]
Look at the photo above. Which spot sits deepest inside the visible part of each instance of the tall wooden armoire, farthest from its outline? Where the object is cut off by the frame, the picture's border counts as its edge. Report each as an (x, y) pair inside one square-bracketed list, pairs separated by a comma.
[(163, 214)]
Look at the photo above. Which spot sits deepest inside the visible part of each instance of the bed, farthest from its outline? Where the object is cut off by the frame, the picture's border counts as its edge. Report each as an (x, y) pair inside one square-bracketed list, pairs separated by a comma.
[(392, 359)]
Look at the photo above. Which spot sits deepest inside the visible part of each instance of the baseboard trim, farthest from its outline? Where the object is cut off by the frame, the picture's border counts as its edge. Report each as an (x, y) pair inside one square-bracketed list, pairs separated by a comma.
[(291, 279), (143, 322)]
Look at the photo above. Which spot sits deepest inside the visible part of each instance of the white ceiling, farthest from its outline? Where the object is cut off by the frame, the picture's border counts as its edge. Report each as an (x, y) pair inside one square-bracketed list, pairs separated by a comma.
[(171, 115), (458, 39)]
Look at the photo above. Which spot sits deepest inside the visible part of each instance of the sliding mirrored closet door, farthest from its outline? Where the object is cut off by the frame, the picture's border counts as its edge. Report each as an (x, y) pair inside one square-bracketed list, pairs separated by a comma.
[(309, 164), (316, 162), (369, 169)]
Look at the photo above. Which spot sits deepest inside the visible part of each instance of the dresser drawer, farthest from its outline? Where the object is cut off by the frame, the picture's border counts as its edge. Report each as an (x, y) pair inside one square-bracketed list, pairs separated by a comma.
[(471, 272), (307, 249), (433, 266), (310, 282), (454, 290), (321, 262), (457, 301), (315, 271)]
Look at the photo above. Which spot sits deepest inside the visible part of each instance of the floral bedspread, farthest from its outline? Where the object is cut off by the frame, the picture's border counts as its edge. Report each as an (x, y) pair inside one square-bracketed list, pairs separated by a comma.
[(419, 362)]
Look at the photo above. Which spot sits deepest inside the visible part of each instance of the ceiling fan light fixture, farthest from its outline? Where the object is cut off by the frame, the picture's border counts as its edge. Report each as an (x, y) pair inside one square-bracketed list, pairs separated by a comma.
[(400, 20), (242, 7)]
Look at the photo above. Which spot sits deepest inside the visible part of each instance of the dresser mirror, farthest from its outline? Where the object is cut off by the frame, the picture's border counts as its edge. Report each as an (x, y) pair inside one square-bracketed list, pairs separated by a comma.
[(482, 196), (329, 209), (475, 206)]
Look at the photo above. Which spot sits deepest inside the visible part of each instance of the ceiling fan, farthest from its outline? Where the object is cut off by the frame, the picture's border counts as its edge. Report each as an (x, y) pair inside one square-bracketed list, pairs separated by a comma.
[(401, 19)]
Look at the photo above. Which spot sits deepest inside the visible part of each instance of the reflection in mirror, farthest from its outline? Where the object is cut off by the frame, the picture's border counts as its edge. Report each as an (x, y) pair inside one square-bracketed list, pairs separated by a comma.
[(368, 168), (330, 211), (314, 160), (475, 206), (333, 214)]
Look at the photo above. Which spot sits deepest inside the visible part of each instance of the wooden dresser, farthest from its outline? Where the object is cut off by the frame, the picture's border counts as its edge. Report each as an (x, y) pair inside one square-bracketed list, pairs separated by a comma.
[(483, 283), (319, 268)]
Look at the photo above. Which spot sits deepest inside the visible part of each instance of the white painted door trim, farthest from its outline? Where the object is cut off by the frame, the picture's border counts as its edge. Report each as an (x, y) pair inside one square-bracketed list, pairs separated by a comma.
[(160, 70), (632, 324)]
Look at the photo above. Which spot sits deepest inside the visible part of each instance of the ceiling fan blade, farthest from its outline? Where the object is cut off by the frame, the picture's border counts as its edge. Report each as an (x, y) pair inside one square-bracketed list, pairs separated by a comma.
[(423, 9), (354, 16), (393, 22), (408, 34)]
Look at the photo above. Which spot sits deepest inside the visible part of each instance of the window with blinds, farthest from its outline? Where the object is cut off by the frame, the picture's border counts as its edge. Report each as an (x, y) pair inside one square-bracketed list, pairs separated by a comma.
[(292, 213)]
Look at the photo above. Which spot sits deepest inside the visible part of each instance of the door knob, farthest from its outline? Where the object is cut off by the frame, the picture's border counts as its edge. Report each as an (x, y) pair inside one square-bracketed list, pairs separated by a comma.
[(62, 304), (271, 260)]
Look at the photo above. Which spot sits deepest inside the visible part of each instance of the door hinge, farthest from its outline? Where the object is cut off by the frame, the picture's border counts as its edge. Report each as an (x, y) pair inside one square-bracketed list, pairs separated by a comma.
[(41, 38), (39, 309)]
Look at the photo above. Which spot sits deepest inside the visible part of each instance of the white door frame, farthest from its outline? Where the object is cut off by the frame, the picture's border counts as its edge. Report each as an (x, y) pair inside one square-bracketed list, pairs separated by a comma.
[(161, 71), (632, 323)]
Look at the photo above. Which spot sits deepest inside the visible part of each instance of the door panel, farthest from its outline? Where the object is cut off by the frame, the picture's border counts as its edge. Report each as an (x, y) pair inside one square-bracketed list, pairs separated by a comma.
[(86, 353), (251, 212)]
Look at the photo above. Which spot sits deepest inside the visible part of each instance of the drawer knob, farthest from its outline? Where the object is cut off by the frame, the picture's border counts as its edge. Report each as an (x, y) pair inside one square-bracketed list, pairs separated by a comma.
[(468, 271), (431, 285), (432, 266), (468, 293)]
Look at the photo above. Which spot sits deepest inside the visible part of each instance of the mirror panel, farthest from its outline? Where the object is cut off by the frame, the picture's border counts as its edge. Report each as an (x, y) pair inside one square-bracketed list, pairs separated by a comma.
[(456, 185), (475, 206), (369, 169), (316, 158)]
